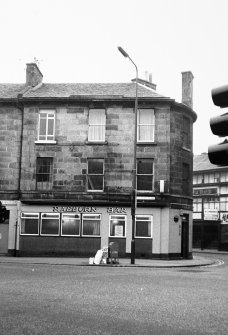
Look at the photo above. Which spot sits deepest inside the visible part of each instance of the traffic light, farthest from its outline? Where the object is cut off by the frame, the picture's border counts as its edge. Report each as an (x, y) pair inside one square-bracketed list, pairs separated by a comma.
[(218, 153)]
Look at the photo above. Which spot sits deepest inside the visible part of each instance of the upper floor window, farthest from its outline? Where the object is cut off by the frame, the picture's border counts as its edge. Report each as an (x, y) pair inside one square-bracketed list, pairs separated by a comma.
[(97, 120), (224, 177), (198, 179), (44, 171), (146, 125), (145, 174), (46, 132), (95, 174), (186, 135)]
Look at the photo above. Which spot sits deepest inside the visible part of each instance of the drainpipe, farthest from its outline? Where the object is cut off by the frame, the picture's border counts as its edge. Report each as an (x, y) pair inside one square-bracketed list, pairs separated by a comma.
[(21, 108)]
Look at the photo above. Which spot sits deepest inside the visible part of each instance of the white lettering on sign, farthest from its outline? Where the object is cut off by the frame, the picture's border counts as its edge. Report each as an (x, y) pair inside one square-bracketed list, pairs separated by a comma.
[(61, 209), (119, 210)]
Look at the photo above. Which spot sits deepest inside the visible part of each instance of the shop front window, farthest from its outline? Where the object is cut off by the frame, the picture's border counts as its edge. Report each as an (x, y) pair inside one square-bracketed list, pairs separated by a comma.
[(91, 224), (50, 224), (70, 225), (29, 224), (118, 225), (143, 226)]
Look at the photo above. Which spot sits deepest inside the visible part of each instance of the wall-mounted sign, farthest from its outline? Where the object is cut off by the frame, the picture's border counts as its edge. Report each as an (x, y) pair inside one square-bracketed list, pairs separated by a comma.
[(61, 209), (116, 210), (211, 214), (118, 231), (205, 191)]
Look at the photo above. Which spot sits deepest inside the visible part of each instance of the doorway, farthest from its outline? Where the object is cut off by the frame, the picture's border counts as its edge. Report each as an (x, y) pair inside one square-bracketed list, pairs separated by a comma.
[(185, 236)]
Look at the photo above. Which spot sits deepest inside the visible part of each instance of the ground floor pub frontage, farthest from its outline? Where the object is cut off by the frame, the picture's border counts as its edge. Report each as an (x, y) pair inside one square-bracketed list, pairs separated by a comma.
[(75, 230)]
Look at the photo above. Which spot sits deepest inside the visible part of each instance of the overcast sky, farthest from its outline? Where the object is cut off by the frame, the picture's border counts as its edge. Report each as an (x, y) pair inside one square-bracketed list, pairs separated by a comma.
[(76, 41)]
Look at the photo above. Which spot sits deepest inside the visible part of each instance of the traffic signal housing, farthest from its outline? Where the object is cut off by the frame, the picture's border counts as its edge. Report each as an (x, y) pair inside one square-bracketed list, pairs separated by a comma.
[(218, 153)]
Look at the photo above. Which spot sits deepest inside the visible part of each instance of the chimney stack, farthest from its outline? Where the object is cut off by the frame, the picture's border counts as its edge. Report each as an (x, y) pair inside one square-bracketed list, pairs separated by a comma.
[(33, 75), (187, 88)]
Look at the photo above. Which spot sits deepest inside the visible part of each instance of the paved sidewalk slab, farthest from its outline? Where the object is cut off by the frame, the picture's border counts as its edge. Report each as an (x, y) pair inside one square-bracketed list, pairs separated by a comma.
[(123, 262)]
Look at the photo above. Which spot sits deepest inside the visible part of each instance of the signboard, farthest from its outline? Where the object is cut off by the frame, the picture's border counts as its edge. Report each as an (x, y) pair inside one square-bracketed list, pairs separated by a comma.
[(211, 214), (205, 191), (118, 231)]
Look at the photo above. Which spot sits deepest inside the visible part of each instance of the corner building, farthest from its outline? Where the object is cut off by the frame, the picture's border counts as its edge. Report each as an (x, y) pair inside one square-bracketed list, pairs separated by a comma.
[(66, 174)]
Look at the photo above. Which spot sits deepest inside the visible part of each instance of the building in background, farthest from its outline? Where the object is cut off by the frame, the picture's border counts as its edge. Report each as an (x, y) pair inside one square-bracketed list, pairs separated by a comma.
[(210, 191), (66, 170)]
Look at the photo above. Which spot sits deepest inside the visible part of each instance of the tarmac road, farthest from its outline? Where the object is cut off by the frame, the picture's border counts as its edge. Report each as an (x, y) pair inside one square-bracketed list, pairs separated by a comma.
[(50, 299)]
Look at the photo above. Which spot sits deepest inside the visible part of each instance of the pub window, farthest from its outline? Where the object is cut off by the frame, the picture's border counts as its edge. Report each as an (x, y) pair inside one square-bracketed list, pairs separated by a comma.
[(44, 171), (70, 224), (146, 125), (118, 225), (50, 224), (143, 226), (95, 174), (145, 174), (46, 131), (91, 224), (29, 224), (97, 121)]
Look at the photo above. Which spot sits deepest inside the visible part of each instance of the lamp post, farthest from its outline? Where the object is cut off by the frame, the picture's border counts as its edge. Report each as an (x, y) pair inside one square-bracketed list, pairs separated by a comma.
[(134, 195)]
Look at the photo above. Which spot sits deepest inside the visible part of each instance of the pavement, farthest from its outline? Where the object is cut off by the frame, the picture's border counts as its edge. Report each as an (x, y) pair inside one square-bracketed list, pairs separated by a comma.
[(123, 262)]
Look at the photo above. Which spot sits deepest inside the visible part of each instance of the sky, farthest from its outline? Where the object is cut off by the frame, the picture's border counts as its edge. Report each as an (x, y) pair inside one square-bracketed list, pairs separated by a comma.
[(76, 41)]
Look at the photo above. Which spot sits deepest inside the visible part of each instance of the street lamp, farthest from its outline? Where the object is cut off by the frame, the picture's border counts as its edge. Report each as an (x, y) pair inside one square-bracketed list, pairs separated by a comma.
[(133, 199)]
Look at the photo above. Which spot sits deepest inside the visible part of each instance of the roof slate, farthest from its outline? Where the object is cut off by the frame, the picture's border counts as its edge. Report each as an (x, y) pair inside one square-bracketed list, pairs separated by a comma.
[(126, 90), (201, 162), (9, 91)]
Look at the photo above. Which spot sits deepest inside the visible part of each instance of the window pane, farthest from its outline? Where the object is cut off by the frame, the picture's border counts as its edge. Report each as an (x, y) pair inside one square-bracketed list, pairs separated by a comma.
[(91, 225), (50, 126), (146, 133), (30, 224), (144, 167), (95, 166), (43, 123), (117, 226), (70, 224), (50, 224), (143, 227), (144, 183), (95, 182)]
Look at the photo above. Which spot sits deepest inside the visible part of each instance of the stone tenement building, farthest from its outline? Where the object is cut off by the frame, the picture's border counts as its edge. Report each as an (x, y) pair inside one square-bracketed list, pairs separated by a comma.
[(67, 167)]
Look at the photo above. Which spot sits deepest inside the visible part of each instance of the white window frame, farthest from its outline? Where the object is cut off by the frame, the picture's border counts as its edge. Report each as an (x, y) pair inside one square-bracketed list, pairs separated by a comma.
[(140, 218), (111, 218), (93, 125), (52, 216), (93, 159), (151, 125), (73, 217), (30, 216), (145, 174), (88, 217), (49, 113)]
